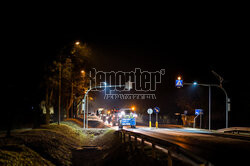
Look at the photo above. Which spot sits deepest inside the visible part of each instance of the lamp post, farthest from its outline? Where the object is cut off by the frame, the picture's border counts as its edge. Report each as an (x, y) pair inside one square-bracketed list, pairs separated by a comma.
[(59, 96), (227, 99), (227, 102), (127, 86), (209, 99)]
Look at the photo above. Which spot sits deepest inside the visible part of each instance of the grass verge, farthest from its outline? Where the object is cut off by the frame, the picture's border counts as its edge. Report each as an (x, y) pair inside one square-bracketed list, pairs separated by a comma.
[(48, 145)]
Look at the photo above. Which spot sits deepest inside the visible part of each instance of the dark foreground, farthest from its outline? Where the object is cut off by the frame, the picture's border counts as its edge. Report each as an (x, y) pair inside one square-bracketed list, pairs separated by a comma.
[(66, 144)]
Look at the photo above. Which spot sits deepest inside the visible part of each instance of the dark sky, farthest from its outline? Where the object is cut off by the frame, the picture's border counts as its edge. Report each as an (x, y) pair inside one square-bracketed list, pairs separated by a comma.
[(190, 45)]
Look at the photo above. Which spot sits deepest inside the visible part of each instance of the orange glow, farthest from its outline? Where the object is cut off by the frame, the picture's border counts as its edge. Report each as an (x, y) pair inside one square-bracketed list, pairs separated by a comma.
[(83, 73)]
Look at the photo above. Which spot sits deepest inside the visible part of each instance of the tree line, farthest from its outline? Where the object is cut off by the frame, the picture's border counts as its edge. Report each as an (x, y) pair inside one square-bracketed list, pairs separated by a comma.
[(70, 72)]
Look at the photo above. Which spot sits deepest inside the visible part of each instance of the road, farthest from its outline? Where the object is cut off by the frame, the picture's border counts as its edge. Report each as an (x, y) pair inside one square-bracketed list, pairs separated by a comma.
[(219, 150), (216, 149)]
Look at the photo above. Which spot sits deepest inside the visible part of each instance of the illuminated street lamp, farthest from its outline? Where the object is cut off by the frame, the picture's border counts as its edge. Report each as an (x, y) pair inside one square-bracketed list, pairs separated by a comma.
[(77, 43), (83, 73), (179, 83), (133, 108), (220, 78)]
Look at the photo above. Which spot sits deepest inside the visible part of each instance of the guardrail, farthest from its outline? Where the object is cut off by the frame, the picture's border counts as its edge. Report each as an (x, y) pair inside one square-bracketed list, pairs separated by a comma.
[(173, 151), (237, 131)]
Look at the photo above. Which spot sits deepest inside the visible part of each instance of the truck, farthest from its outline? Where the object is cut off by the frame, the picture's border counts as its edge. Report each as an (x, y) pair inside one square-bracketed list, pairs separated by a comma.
[(127, 117)]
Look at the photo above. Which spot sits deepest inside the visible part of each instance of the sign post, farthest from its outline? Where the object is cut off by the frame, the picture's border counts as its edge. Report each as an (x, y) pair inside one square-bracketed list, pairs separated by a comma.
[(156, 110), (197, 113), (150, 111)]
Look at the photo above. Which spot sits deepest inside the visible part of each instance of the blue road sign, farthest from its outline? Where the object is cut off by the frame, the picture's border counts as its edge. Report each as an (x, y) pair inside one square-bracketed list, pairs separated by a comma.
[(198, 111), (179, 83), (156, 110)]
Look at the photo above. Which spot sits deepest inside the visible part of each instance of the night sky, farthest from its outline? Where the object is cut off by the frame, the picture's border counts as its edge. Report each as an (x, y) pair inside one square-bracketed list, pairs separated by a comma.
[(183, 45)]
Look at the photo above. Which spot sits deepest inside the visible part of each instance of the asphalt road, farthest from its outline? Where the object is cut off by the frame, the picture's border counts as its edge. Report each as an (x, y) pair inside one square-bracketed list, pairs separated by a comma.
[(219, 150), (216, 149)]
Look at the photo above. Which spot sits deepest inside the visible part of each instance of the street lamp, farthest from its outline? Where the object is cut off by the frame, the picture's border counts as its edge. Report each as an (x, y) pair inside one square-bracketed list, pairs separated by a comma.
[(221, 79), (209, 98), (83, 73), (179, 84), (133, 108), (128, 85)]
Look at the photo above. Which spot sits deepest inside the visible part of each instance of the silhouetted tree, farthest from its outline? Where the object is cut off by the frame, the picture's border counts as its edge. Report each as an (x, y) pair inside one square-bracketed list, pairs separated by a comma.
[(74, 59)]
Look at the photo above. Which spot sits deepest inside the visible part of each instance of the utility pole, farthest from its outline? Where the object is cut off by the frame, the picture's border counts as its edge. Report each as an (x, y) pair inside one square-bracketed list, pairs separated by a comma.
[(209, 107), (59, 97), (200, 121), (87, 111), (227, 99), (72, 97)]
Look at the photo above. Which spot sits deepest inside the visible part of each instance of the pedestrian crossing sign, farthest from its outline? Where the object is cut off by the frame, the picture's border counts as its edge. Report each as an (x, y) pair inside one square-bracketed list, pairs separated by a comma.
[(179, 83)]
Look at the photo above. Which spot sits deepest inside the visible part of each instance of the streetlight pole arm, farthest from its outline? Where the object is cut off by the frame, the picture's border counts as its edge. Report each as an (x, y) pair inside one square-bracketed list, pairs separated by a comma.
[(85, 95), (197, 84), (218, 86), (98, 87)]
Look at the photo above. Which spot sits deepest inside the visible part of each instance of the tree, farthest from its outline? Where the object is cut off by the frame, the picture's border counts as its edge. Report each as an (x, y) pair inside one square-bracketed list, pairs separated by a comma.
[(75, 82), (73, 60), (50, 83)]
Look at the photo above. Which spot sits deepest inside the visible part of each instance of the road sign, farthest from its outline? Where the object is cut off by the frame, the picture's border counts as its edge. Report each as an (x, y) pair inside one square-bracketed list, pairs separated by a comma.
[(156, 110), (179, 83), (198, 112), (150, 111)]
